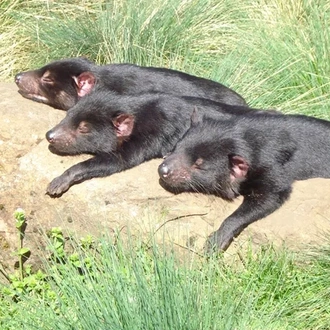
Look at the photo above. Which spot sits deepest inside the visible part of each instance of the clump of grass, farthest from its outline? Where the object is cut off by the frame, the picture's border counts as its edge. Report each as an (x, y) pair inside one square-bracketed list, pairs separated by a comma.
[(315, 288), (285, 46), (104, 285), (272, 52), (144, 32), (12, 50)]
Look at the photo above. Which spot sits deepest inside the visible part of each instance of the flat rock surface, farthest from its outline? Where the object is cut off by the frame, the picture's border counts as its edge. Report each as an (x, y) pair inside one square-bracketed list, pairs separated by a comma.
[(131, 201)]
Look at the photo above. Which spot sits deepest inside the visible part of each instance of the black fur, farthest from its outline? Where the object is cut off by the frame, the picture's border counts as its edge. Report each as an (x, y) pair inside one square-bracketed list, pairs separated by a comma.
[(62, 83), (124, 131), (258, 157)]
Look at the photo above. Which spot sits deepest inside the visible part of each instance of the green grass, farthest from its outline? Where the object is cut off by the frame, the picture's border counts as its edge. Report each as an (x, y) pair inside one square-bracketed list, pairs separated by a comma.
[(274, 52), (140, 288), (287, 55)]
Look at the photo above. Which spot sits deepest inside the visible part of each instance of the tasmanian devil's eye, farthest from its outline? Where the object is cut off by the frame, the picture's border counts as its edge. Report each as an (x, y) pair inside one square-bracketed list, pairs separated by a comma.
[(198, 163), (84, 127), (47, 80)]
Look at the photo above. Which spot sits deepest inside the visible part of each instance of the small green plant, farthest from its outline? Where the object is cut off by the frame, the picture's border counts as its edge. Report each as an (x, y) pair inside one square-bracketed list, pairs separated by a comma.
[(23, 253), (25, 284), (57, 243), (75, 258)]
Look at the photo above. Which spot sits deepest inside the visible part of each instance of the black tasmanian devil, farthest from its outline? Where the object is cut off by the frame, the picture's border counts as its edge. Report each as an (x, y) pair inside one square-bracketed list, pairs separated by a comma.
[(258, 157), (62, 83), (124, 131)]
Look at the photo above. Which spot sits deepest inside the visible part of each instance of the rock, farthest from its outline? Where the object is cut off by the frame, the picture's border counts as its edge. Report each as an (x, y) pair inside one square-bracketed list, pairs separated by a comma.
[(131, 201)]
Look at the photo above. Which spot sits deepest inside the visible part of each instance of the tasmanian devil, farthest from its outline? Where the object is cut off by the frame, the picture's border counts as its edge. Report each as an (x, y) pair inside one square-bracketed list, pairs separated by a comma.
[(62, 83), (124, 131), (258, 157)]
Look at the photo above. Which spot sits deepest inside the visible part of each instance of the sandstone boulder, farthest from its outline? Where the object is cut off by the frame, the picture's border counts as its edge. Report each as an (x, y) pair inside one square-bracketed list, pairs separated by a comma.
[(129, 201)]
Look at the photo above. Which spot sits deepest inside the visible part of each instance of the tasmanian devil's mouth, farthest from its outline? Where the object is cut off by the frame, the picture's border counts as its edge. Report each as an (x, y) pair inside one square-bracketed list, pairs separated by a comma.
[(55, 151), (58, 152), (33, 97)]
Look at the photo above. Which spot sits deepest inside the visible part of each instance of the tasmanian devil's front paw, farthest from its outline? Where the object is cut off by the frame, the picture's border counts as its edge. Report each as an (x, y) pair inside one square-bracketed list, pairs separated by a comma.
[(211, 244), (216, 243), (57, 187)]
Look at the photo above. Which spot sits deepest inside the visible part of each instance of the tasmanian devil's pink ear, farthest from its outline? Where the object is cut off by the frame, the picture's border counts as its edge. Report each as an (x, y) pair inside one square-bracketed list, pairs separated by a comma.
[(239, 167), (85, 83), (124, 124)]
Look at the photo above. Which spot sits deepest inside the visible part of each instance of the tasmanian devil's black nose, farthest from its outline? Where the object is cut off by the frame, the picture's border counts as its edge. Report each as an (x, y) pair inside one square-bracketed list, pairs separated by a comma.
[(50, 136), (18, 78), (163, 170)]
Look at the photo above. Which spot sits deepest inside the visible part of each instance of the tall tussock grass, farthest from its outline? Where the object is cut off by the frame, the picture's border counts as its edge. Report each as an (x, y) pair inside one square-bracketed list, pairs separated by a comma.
[(274, 52), (112, 287), (287, 54)]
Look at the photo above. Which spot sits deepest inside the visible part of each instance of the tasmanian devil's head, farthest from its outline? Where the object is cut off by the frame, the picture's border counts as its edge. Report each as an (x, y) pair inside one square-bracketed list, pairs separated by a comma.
[(204, 161), (58, 84), (92, 126)]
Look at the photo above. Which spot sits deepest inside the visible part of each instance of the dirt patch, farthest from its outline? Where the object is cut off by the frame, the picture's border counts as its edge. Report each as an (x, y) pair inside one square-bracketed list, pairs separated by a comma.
[(129, 200)]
